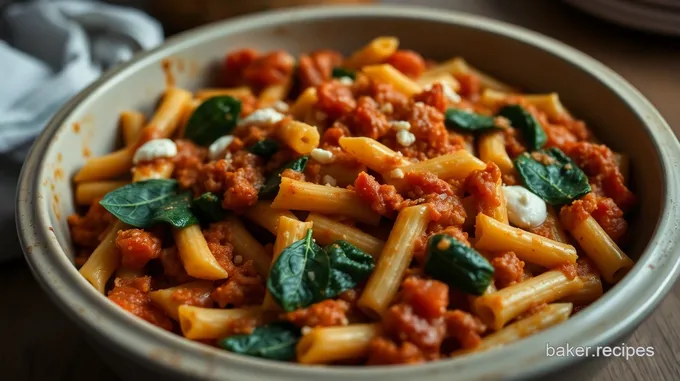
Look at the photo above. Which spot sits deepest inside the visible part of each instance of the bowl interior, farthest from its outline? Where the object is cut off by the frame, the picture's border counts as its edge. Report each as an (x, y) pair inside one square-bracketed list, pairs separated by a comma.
[(89, 128)]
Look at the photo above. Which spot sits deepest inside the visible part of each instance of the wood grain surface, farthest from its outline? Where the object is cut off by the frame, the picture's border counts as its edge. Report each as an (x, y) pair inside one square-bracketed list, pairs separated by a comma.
[(39, 343)]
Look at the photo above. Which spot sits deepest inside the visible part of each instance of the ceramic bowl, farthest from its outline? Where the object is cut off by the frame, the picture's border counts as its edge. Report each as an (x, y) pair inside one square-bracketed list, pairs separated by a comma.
[(619, 115)]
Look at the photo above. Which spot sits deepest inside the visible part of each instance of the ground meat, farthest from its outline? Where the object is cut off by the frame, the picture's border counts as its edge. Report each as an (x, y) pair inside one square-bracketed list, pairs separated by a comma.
[(88, 230), (241, 193), (317, 67), (483, 185), (188, 162), (599, 163), (427, 124), (323, 314), (234, 65), (269, 69), (433, 97), (383, 199), (558, 136), (238, 178), (469, 85), (137, 247), (603, 209), (244, 287), (291, 174), (421, 184), (428, 298), (383, 351), (133, 296), (334, 99), (384, 94), (568, 269), (514, 144), (367, 120), (464, 327), (508, 269), (173, 269), (408, 62)]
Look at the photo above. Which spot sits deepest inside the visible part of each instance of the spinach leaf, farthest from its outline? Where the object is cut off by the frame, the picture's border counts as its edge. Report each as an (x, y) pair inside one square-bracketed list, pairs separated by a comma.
[(555, 178), (531, 130), (299, 276), (214, 118), (176, 211), (265, 148), (136, 204), (457, 265), (349, 266), (468, 121), (271, 186), (275, 341), (339, 72), (209, 207)]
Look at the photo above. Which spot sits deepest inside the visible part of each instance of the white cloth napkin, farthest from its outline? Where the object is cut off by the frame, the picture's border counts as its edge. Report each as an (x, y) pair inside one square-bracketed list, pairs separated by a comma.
[(49, 51), (54, 49)]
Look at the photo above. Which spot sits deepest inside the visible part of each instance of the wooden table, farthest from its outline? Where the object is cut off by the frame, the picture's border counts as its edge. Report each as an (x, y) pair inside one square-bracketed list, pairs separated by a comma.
[(40, 344)]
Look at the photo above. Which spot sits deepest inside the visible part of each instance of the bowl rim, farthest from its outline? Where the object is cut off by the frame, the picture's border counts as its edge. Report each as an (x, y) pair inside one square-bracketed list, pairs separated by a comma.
[(649, 280)]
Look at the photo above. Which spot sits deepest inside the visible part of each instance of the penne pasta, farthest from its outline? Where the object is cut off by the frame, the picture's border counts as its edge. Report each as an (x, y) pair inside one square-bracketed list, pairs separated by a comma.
[(546, 317), (290, 231), (131, 124), (300, 195), (304, 103), (247, 246), (327, 231), (493, 235), (300, 137), (372, 154), (600, 248), (156, 169), (457, 66), (498, 308), (168, 301), (443, 78), (325, 345), (457, 165), (590, 292), (272, 94), (86, 193), (394, 259), (491, 148), (106, 167), (238, 92), (104, 260), (386, 73), (342, 174), (197, 258), (199, 323), (264, 215), (375, 52)]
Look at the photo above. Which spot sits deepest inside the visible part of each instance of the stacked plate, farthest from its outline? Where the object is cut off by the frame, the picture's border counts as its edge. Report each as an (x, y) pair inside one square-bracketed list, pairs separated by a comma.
[(659, 16)]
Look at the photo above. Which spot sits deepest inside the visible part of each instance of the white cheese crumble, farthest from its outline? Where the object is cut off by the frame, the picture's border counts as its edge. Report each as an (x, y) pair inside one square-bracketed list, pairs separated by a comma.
[(238, 260), (450, 93), (397, 173), (405, 138), (347, 81), (281, 106), (219, 146), (155, 149), (399, 125), (525, 209), (262, 116), (311, 276), (322, 156), (306, 330), (387, 108), (329, 180)]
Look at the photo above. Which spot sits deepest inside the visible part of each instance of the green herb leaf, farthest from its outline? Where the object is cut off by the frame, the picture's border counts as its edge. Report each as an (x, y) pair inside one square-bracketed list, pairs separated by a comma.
[(555, 178), (271, 186), (176, 211), (275, 341), (265, 148), (299, 276), (531, 130), (209, 207), (468, 121), (136, 204), (214, 118), (349, 266), (339, 72), (457, 265)]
